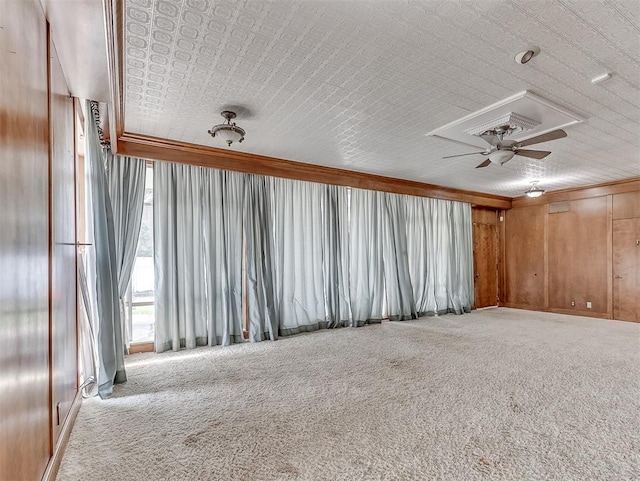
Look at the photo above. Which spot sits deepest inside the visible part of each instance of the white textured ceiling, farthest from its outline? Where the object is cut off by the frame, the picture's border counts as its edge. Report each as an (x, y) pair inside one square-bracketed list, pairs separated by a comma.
[(358, 84)]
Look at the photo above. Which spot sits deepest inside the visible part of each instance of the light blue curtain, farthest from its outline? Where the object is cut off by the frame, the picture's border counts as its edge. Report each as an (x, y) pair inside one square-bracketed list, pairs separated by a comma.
[(366, 275), (398, 289), (103, 259), (440, 255), (179, 262), (126, 184), (298, 280), (263, 323), (223, 197), (335, 255)]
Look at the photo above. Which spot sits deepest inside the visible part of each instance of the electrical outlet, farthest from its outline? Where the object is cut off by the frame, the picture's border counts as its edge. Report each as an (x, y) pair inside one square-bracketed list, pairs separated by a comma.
[(573, 303), (588, 305)]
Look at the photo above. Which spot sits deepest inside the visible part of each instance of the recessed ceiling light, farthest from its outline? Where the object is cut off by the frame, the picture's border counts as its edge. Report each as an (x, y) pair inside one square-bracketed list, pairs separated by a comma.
[(524, 57), (601, 78)]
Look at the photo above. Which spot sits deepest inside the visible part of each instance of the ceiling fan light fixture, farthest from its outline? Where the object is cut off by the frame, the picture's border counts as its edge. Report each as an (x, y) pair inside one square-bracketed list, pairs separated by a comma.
[(524, 57), (534, 191), (229, 132), (501, 156)]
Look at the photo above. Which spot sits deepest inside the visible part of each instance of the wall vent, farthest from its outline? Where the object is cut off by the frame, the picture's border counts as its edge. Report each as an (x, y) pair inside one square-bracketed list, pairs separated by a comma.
[(558, 207)]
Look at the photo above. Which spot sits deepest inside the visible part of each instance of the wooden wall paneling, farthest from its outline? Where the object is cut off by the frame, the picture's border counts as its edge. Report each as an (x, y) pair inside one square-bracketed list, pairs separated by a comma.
[(501, 259), (24, 243), (626, 205), (63, 247), (485, 256), (577, 193), (524, 240), (578, 257), (626, 269), (484, 216), (166, 150)]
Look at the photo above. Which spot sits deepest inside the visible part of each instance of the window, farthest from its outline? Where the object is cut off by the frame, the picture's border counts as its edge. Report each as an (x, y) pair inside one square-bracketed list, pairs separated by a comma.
[(140, 296)]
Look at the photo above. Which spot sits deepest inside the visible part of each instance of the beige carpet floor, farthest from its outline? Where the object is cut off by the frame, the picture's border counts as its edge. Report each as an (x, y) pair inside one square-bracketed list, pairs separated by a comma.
[(498, 394)]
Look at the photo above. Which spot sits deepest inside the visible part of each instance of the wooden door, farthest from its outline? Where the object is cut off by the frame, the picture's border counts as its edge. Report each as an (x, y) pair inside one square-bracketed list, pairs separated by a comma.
[(485, 264), (626, 269)]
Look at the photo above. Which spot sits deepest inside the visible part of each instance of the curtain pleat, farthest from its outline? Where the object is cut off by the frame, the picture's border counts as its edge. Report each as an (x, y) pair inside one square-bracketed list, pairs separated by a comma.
[(103, 264), (398, 289), (335, 255), (223, 197), (181, 309), (263, 322), (366, 276)]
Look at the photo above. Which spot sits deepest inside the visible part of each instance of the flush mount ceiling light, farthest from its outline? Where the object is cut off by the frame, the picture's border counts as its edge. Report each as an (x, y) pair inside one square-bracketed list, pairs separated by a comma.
[(229, 132), (524, 57), (534, 191)]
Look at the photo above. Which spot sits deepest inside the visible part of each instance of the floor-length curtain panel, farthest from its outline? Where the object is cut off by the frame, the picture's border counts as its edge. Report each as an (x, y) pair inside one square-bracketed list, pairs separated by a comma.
[(461, 288), (422, 254), (298, 283), (398, 289), (440, 255), (126, 184), (180, 290), (366, 277), (259, 268), (223, 197), (104, 259), (335, 257)]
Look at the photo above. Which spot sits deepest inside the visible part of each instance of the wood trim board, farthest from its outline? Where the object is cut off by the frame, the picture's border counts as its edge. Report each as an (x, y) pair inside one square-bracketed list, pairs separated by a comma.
[(51, 471), (577, 193), (172, 151)]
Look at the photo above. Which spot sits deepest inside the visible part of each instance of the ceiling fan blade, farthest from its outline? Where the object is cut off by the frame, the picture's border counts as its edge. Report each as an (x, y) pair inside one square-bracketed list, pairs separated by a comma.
[(484, 164), (534, 154), (553, 135), (462, 155), (490, 139)]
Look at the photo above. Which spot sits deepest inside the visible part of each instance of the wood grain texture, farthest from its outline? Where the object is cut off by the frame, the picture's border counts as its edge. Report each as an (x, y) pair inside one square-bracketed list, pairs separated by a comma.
[(608, 188), (63, 247), (577, 246), (485, 264), (484, 216), (626, 205), (166, 150), (524, 254), (626, 269), (24, 243)]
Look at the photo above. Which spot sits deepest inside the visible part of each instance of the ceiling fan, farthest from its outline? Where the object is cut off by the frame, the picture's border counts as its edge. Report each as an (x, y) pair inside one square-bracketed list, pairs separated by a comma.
[(502, 151)]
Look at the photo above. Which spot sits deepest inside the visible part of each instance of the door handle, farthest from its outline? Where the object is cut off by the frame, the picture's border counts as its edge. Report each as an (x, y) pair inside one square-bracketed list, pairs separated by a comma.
[(477, 274), (618, 277)]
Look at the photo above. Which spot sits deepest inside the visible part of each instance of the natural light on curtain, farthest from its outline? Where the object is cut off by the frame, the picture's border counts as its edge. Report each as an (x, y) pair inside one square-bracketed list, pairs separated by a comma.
[(314, 256)]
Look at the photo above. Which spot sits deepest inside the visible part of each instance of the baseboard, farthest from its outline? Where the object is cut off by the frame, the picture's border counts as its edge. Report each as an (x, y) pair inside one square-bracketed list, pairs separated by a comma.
[(54, 463), (570, 312)]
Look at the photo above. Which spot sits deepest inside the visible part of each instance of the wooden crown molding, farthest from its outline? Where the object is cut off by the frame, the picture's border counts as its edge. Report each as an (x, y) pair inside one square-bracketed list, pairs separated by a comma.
[(172, 151), (576, 193)]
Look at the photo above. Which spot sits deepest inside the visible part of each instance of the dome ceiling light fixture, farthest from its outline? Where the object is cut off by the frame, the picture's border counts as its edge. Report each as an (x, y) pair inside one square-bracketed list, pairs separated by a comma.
[(229, 132), (534, 191)]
